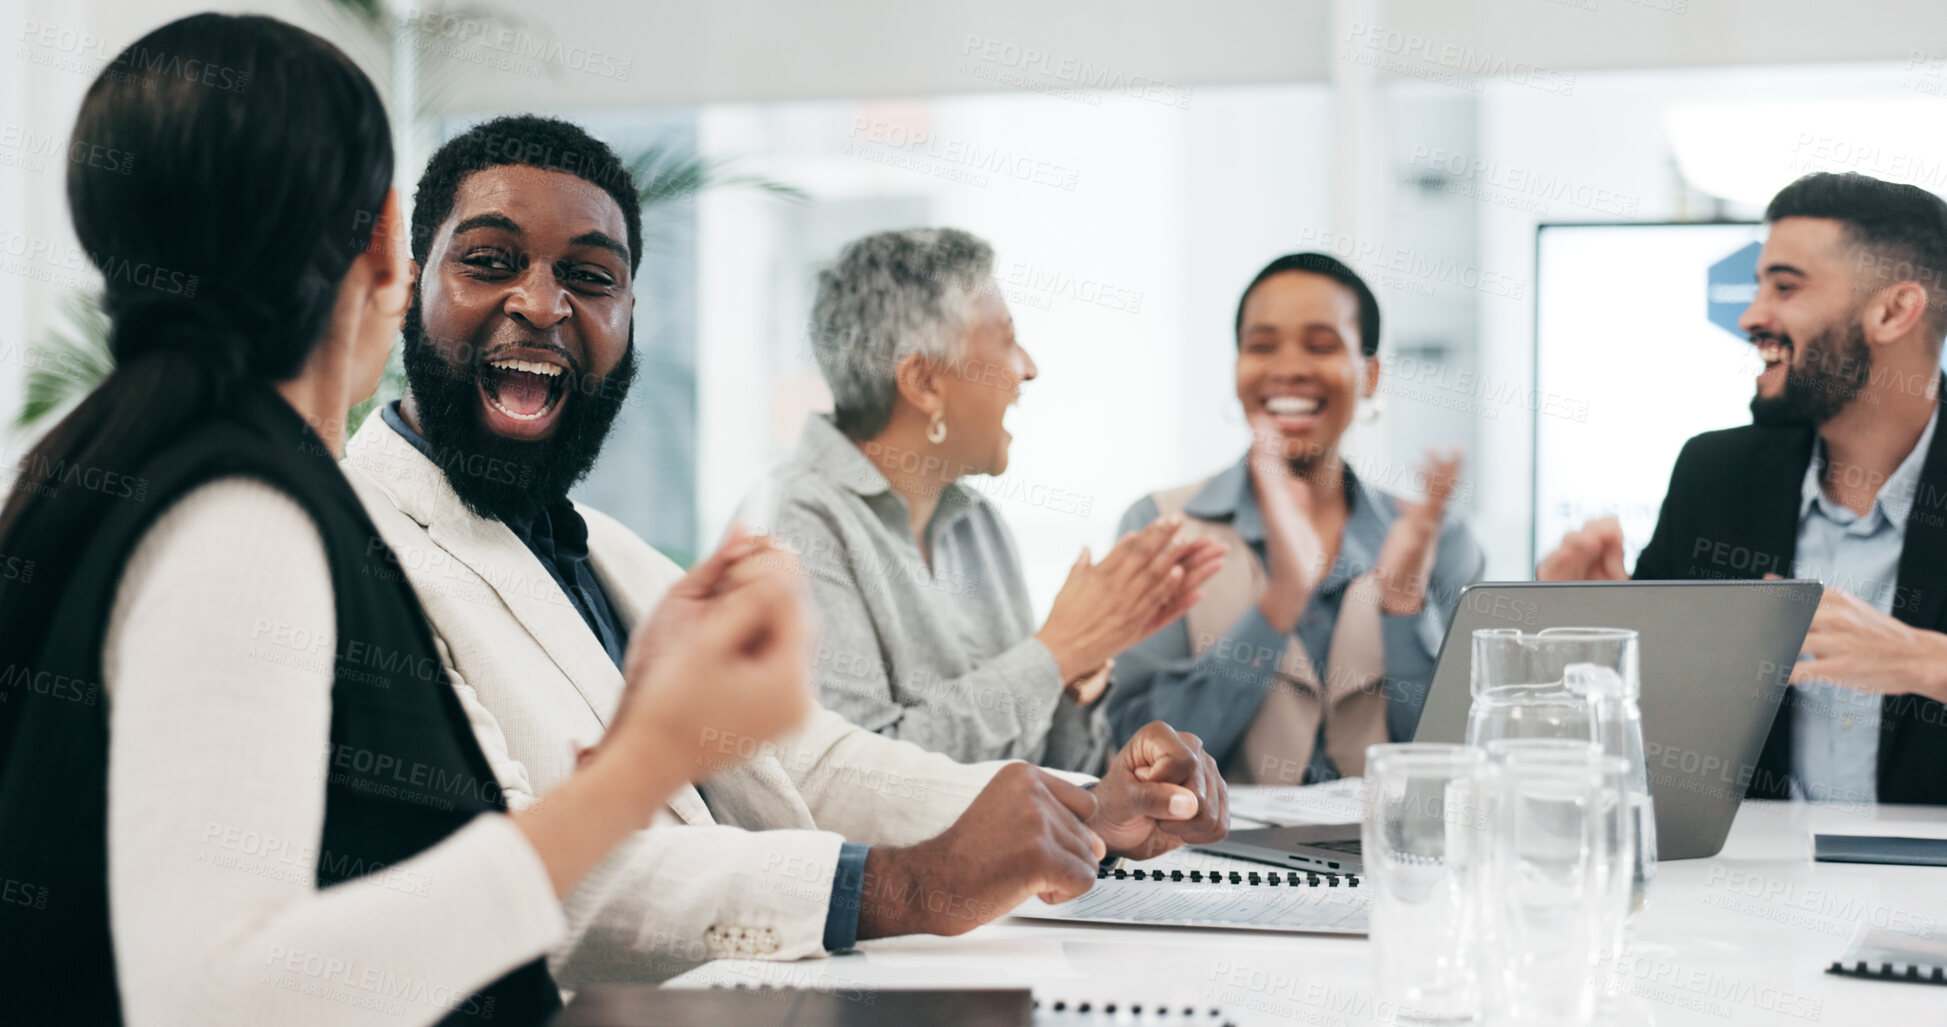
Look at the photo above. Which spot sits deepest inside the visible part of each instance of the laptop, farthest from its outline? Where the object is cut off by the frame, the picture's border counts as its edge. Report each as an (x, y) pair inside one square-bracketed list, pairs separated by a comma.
[(1716, 656)]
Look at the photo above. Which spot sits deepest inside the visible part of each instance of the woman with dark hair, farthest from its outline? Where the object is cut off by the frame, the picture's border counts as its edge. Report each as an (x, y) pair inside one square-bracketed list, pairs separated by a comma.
[(1318, 634), (234, 779)]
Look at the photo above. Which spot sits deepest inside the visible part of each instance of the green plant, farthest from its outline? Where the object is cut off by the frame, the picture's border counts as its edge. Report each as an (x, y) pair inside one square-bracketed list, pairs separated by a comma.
[(75, 358)]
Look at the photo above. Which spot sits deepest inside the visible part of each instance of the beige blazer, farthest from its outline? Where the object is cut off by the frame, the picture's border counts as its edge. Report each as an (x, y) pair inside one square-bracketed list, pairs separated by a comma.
[(1349, 700), (749, 874)]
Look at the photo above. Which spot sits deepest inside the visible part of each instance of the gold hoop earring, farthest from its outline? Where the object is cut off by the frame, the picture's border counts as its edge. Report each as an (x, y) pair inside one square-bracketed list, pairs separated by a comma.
[(936, 428)]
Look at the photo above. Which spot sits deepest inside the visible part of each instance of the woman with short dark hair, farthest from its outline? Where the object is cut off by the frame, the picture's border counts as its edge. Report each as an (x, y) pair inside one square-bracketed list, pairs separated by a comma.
[(1317, 636)]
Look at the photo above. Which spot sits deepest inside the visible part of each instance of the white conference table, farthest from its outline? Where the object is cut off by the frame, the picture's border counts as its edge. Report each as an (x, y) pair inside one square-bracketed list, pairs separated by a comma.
[(1741, 938)]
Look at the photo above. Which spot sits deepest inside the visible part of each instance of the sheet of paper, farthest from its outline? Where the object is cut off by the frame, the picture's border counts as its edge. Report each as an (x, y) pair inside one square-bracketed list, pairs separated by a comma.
[(1321, 909), (1335, 802), (1877, 945)]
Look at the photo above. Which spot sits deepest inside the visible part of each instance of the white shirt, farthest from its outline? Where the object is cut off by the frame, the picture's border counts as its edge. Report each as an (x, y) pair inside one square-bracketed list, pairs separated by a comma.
[(219, 720)]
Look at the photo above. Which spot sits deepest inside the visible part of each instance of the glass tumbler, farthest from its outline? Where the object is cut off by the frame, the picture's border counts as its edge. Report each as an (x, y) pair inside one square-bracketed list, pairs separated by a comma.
[(1542, 892), (1420, 844), (1618, 831)]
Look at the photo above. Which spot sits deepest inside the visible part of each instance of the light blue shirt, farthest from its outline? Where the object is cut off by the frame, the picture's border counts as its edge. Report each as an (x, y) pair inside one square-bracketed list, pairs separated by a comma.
[(1835, 736)]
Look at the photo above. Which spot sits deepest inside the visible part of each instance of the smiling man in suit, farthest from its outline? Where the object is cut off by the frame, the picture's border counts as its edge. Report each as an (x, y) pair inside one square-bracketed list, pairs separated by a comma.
[(519, 352), (1841, 477)]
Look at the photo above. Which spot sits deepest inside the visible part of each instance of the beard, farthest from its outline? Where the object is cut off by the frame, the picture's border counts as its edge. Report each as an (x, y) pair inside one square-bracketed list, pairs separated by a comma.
[(511, 480), (1836, 367)]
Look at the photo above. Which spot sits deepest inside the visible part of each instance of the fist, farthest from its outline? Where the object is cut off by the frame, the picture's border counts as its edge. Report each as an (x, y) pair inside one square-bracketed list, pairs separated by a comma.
[(725, 664), (1160, 791), (1023, 835)]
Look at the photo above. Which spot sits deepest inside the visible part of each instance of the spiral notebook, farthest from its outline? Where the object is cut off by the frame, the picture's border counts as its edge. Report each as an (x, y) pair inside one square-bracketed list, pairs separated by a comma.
[(651, 1006), (1891, 956), (1271, 900)]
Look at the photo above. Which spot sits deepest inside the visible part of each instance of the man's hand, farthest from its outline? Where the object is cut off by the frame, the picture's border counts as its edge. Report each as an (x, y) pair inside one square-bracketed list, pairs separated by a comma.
[(1853, 645), (1160, 791), (1593, 552), (1023, 835), (1406, 558)]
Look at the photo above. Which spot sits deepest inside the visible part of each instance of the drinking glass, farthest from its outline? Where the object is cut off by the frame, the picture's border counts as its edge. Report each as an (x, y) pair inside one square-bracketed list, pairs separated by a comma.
[(1618, 830), (1541, 888), (1420, 844)]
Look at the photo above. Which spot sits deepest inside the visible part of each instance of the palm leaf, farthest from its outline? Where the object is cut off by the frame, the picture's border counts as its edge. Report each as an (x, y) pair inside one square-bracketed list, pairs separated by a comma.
[(70, 363), (664, 174), (370, 12)]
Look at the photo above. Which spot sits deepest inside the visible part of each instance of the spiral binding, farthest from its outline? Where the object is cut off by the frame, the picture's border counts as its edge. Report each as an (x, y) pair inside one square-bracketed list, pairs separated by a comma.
[(1268, 878), (1069, 1011), (1924, 974)]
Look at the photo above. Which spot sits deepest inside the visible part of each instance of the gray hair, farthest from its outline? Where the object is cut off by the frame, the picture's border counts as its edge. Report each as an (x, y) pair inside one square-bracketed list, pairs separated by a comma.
[(886, 297)]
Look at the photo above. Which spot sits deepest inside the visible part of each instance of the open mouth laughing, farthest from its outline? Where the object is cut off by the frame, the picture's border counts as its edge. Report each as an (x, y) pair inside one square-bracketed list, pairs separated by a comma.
[(1777, 362), (522, 395)]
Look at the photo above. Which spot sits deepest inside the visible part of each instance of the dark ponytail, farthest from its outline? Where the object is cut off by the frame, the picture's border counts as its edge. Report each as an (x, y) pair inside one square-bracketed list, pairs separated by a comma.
[(259, 160)]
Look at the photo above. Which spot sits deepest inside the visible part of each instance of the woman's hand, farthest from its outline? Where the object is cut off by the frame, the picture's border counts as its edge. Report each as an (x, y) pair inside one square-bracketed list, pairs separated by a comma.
[(1294, 555), (723, 663), (721, 666), (1089, 687), (1406, 557), (1148, 580)]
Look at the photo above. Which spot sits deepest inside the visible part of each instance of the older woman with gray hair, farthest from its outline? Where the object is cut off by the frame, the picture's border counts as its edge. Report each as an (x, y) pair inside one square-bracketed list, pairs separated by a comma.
[(927, 634)]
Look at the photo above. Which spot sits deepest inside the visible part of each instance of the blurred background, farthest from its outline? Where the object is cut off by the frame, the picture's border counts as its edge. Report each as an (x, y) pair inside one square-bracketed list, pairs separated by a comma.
[(1133, 162)]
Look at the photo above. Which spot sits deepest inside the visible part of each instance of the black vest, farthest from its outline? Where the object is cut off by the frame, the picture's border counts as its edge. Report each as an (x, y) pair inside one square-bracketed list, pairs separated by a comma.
[(402, 768)]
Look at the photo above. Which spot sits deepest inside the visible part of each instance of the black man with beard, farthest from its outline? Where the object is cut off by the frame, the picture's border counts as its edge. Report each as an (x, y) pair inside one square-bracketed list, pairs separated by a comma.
[(526, 238)]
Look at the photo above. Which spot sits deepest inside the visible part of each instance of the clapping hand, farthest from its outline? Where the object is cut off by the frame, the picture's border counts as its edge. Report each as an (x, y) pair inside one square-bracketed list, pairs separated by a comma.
[(1406, 557), (1294, 554), (1148, 580)]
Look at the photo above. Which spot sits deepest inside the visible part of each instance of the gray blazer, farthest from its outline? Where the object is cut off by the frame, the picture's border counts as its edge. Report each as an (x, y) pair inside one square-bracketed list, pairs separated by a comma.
[(944, 657), (1216, 696)]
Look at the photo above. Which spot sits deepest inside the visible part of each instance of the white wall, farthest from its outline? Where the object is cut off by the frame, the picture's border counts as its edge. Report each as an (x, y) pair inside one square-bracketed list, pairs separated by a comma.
[(42, 79), (1172, 211)]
